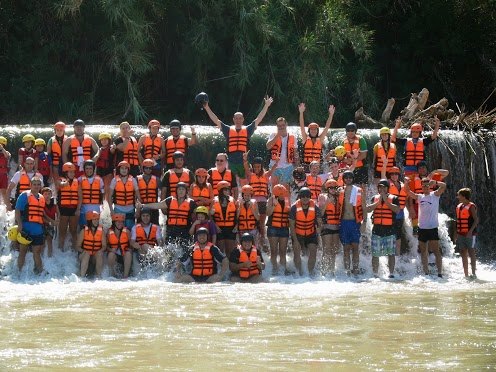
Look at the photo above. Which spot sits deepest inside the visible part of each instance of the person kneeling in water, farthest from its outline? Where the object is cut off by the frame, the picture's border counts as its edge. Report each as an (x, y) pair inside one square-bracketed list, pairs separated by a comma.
[(246, 262), (202, 257), (91, 244)]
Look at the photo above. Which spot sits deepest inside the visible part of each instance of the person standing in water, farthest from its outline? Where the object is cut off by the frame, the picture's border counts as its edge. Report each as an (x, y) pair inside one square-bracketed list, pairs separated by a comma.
[(78, 148), (466, 229)]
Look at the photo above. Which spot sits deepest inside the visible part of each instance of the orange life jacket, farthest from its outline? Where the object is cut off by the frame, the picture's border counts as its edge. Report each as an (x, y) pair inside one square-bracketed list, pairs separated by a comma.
[(275, 151), (198, 192), (174, 180), (244, 272), (148, 189), (56, 150), (68, 194), (238, 140), (416, 185), (178, 214), (35, 207), (305, 222), (143, 238), (349, 147), (92, 242), (333, 213), (246, 218), (401, 193), (25, 182), (124, 192), (91, 191), (464, 219), (130, 153), (383, 215), (315, 185), (414, 152), (391, 156), (358, 207), (121, 242), (203, 261), (227, 220), (259, 184), (86, 145), (152, 146), (312, 150), (216, 177), (280, 215), (172, 145)]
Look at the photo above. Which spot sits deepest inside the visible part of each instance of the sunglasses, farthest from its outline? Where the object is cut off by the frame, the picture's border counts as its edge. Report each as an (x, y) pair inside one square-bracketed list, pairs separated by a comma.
[(220, 160), (147, 168)]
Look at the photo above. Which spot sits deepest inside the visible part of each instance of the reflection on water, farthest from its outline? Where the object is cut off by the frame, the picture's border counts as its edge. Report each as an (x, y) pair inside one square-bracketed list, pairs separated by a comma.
[(142, 325)]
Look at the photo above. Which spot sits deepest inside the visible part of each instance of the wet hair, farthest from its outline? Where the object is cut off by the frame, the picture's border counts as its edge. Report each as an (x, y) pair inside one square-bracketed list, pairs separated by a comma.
[(465, 192)]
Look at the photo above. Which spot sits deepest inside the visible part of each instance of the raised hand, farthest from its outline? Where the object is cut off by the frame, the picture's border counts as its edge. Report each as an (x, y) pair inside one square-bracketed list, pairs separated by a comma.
[(301, 107)]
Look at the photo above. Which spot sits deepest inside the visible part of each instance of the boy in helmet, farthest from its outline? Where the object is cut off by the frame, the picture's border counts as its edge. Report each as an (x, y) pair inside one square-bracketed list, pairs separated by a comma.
[(246, 262), (148, 185), (91, 244), (4, 171)]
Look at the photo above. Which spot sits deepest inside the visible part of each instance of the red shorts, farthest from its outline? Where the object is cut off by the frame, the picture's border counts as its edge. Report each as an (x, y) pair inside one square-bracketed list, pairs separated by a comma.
[(4, 181)]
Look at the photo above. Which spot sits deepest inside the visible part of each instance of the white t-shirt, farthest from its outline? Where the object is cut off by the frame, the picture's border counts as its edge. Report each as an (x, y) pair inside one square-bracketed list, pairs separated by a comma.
[(428, 211), (283, 161)]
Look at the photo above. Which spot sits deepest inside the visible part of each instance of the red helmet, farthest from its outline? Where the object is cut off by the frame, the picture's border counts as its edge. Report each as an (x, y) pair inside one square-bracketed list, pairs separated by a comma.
[(247, 189), (222, 185), (202, 172), (417, 127), (148, 163), (59, 125), (124, 164), (92, 215), (331, 183), (118, 217), (153, 123), (313, 126), (279, 190), (68, 167), (394, 170)]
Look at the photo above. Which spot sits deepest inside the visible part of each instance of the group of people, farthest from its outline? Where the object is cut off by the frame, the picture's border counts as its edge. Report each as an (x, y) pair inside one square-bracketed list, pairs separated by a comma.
[(223, 214)]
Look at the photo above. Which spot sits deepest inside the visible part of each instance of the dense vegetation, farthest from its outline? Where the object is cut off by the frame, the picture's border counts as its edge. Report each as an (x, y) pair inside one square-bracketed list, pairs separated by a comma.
[(104, 60)]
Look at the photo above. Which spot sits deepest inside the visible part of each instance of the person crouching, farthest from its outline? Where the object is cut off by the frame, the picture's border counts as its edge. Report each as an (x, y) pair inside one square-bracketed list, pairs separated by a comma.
[(91, 244), (246, 262)]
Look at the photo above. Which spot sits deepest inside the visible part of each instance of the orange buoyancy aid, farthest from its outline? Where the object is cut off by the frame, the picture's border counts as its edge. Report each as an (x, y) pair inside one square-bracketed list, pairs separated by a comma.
[(280, 215), (227, 220), (349, 147), (259, 184), (383, 215), (24, 183), (56, 150), (35, 208), (333, 213), (275, 151), (124, 192), (244, 272), (178, 214), (130, 153), (357, 208), (4, 164), (216, 177), (312, 150), (43, 164), (314, 183), (238, 139), (172, 145), (401, 193), (143, 238), (305, 222), (464, 219), (246, 218), (414, 152), (91, 192), (152, 146), (203, 261), (174, 180), (68, 193), (148, 189), (92, 241), (198, 192), (87, 147), (121, 243), (391, 156), (416, 185)]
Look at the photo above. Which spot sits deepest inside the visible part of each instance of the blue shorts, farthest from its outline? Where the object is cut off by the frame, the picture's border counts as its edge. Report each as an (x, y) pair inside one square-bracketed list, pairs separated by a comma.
[(36, 239), (277, 232), (285, 175), (349, 232)]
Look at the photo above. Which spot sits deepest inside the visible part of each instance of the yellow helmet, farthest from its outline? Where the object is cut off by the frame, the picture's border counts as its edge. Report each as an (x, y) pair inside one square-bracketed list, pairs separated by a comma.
[(339, 151), (12, 233), (3, 141), (23, 238), (39, 141), (27, 138), (104, 135), (385, 130), (201, 209)]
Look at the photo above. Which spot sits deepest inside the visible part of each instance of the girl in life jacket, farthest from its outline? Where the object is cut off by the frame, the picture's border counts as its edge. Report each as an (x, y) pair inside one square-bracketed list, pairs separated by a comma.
[(68, 194), (54, 149), (119, 246), (203, 220), (313, 142), (26, 151), (4, 170), (201, 191), (105, 160), (258, 178), (50, 219), (91, 244), (247, 212), (224, 212), (42, 161)]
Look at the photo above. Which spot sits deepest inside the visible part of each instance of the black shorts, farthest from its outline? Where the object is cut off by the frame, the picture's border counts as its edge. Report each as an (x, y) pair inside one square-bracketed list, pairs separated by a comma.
[(200, 279), (361, 175), (424, 235), (306, 240), (262, 207), (277, 232), (102, 172), (226, 234), (66, 211), (398, 226), (329, 232)]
